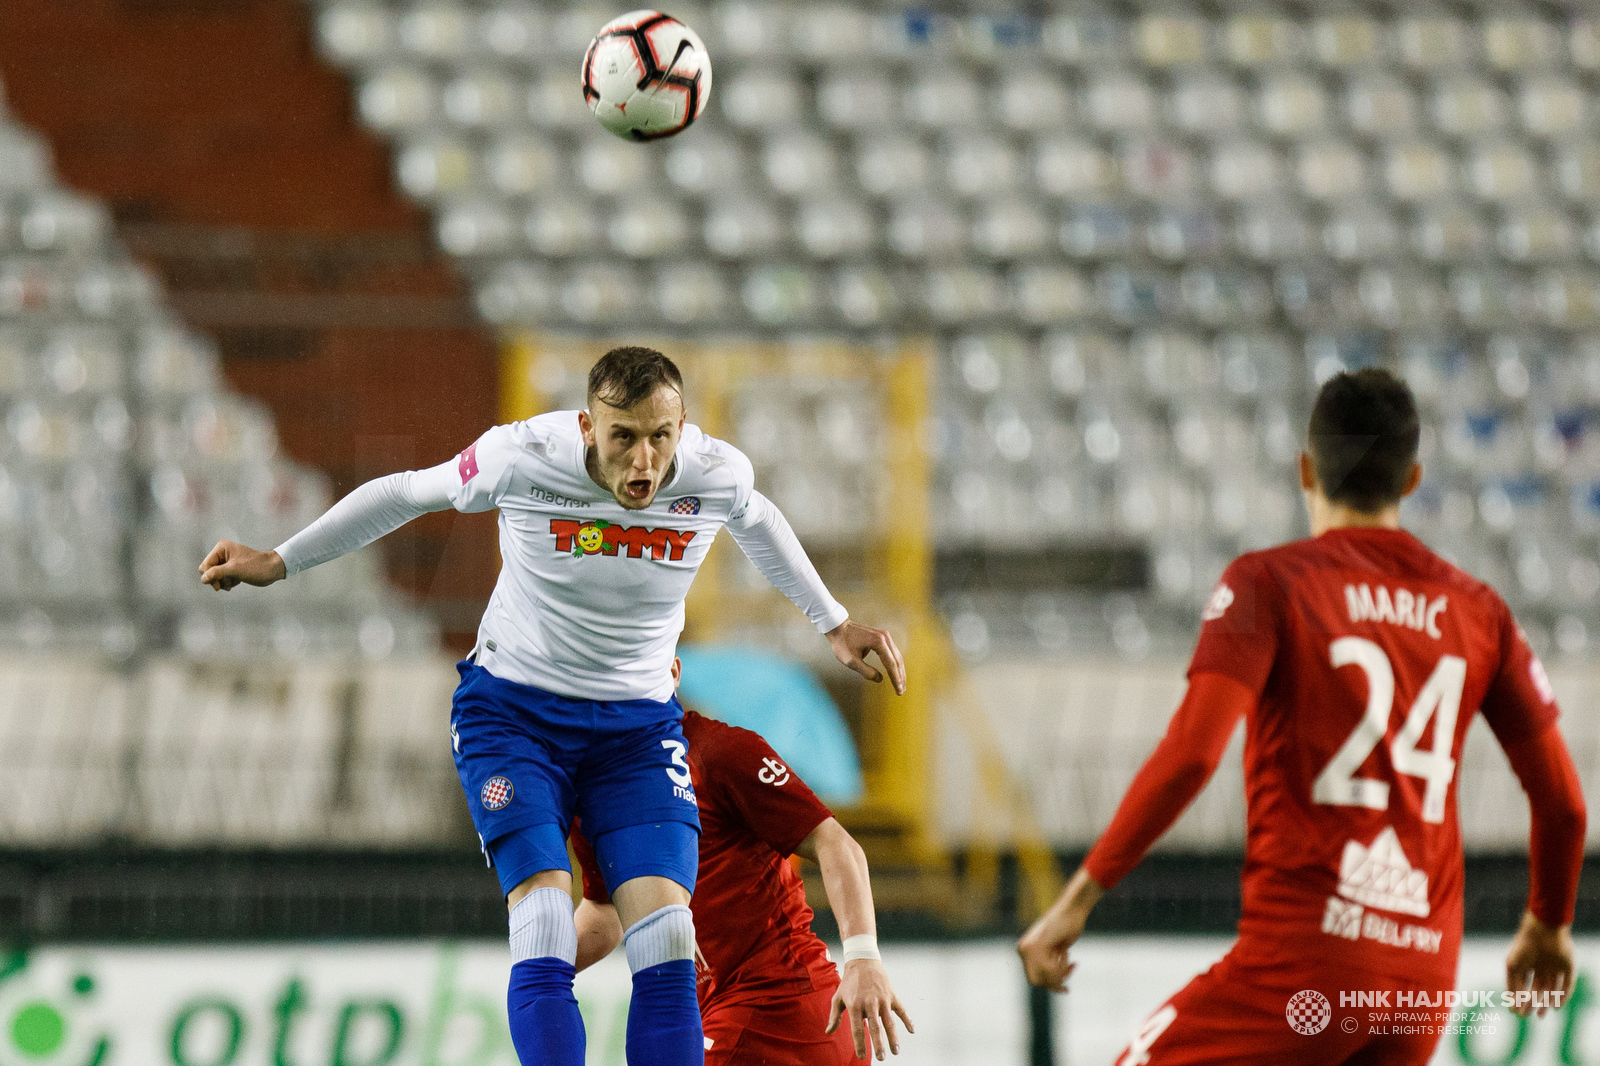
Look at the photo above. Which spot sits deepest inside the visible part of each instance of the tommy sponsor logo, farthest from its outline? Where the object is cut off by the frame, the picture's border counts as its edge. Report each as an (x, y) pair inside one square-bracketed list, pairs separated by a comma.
[(602, 538), (497, 793), (1400, 608), (772, 772), (1308, 1012), (467, 464)]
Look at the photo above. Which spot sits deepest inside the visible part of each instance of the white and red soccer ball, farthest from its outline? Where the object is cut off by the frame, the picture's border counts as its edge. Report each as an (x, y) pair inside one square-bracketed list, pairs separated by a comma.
[(646, 76)]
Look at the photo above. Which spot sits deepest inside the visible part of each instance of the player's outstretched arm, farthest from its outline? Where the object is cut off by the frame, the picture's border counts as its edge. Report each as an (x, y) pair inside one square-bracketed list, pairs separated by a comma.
[(373, 509), (1540, 960), (1165, 785), (768, 541), (865, 995), (599, 932)]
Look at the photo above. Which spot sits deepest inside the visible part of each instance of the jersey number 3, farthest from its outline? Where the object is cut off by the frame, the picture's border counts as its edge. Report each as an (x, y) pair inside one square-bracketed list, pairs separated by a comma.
[(679, 770), (1439, 700)]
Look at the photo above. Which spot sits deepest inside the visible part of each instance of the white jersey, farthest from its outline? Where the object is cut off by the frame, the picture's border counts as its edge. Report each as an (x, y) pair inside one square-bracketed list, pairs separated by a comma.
[(590, 598)]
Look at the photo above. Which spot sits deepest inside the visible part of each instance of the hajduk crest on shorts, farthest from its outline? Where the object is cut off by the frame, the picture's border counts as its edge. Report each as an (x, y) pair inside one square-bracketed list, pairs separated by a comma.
[(646, 76)]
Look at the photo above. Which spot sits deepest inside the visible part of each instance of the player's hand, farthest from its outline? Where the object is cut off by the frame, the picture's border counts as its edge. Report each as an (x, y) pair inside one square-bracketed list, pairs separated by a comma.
[(851, 641), (230, 563), (1043, 949), (865, 995), (1540, 961), (1044, 946)]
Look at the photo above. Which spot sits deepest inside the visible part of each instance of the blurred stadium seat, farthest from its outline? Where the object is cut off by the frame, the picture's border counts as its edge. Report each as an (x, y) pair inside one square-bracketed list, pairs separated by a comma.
[(124, 458)]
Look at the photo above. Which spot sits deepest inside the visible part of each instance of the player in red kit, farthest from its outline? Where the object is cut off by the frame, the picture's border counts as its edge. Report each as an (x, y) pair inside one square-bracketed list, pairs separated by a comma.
[(1357, 659), (769, 995)]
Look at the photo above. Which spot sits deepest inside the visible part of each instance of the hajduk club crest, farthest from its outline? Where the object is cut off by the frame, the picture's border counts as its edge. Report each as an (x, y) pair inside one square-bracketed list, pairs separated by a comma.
[(497, 792)]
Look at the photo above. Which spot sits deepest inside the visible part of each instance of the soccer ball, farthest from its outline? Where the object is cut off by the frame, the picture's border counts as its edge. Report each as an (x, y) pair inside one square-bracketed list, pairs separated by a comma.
[(646, 76)]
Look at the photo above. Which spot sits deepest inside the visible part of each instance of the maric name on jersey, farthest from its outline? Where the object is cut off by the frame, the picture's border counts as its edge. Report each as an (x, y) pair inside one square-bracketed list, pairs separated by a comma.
[(1401, 608), (554, 498), (602, 538)]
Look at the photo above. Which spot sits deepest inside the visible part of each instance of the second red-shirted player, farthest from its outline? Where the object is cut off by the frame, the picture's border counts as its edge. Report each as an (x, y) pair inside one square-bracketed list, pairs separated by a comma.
[(769, 994), (1357, 659)]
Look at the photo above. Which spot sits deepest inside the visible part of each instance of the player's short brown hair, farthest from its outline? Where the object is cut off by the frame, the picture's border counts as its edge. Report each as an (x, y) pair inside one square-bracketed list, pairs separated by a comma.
[(1363, 438), (625, 376)]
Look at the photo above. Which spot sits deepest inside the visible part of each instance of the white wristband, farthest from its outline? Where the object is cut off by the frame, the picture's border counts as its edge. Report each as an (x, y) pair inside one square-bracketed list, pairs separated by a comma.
[(864, 946)]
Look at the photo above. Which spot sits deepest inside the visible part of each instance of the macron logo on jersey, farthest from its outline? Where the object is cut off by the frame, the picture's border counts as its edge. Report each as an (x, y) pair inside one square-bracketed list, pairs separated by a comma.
[(602, 538), (468, 464)]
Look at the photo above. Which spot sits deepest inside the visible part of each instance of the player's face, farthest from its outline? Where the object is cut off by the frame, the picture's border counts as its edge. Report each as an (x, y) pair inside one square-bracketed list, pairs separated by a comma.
[(630, 450)]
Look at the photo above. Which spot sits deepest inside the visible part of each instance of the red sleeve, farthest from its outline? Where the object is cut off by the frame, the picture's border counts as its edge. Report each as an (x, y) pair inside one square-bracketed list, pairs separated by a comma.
[(594, 886), (1555, 843), (1520, 708), (745, 775), (1240, 625), (1520, 702), (1173, 775)]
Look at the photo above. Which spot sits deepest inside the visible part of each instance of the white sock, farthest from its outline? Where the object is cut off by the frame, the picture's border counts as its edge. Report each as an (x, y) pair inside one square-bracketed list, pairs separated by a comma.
[(542, 926), (667, 935)]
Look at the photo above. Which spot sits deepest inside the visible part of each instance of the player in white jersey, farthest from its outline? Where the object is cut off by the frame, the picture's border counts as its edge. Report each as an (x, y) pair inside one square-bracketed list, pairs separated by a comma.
[(566, 703)]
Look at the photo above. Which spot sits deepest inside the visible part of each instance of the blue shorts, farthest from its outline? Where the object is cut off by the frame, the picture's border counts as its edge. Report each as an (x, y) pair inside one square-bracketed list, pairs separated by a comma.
[(530, 758), (655, 849)]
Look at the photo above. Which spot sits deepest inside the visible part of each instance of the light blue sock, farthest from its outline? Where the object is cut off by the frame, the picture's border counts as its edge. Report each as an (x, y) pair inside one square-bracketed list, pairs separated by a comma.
[(546, 1027)]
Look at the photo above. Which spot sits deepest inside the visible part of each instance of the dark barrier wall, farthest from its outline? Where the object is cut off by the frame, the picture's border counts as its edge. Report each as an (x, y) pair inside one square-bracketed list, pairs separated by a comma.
[(108, 894), (234, 166)]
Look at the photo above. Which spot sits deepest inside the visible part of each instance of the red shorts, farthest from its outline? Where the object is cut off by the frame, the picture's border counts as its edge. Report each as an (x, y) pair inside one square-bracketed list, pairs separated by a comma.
[(1240, 1015), (779, 1032)]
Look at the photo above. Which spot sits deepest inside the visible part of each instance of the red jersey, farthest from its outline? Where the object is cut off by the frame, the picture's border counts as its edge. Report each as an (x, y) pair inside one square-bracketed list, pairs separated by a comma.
[(1369, 655), (752, 923)]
